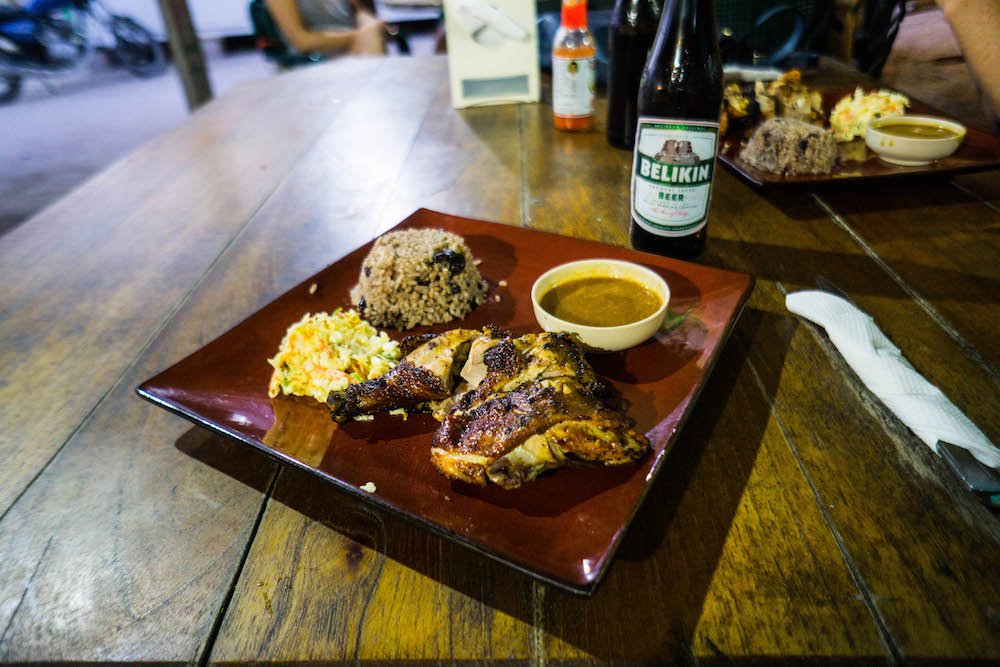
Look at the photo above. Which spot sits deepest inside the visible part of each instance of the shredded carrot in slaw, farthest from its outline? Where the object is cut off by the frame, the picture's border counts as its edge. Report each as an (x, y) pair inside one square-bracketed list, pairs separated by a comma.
[(851, 115), (327, 352)]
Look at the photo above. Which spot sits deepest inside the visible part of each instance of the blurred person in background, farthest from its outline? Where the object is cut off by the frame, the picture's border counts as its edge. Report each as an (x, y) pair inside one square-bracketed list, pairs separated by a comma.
[(976, 24), (329, 26)]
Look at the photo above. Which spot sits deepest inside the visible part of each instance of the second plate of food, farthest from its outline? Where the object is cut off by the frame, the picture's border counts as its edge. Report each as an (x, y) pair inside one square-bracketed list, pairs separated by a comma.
[(803, 131)]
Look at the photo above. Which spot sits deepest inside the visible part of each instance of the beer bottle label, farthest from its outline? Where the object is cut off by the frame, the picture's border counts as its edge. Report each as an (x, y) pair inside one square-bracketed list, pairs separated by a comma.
[(672, 175), (573, 85)]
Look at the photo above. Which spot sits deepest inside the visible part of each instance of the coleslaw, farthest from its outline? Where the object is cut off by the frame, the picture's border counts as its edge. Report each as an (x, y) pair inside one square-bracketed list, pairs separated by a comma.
[(327, 352), (851, 115)]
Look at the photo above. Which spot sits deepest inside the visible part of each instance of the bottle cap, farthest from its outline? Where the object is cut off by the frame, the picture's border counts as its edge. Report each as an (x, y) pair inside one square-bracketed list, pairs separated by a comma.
[(574, 14)]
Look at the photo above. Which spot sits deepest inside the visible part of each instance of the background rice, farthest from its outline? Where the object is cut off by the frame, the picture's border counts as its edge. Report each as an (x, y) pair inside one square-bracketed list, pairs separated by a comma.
[(790, 146), (418, 276)]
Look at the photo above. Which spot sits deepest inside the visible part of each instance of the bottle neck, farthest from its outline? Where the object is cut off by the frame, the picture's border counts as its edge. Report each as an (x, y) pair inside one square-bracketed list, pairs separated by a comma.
[(574, 14), (694, 13), (686, 26)]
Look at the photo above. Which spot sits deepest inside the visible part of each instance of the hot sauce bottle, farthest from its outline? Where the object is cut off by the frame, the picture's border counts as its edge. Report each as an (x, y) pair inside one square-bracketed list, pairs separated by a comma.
[(574, 63)]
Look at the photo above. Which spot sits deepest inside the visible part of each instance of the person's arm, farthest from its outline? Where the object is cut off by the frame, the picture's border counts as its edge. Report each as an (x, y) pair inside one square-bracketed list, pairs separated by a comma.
[(371, 29), (976, 24), (289, 19)]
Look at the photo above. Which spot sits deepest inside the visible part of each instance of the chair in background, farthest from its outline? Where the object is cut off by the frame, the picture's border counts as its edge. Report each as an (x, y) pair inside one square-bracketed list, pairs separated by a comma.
[(875, 34), (769, 33)]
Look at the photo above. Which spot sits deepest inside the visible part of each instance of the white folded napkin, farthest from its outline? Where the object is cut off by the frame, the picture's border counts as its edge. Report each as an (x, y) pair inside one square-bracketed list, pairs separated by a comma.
[(882, 367)]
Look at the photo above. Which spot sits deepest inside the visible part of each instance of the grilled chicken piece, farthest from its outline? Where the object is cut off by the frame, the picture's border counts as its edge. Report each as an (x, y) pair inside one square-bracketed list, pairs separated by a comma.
[(533, 357), (512, 438), (426, 374), (473, 371), (547, 357), (523, 406)]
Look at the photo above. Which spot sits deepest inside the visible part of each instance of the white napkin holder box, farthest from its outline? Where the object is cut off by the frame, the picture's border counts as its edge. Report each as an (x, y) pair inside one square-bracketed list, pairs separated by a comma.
[(492, 51)]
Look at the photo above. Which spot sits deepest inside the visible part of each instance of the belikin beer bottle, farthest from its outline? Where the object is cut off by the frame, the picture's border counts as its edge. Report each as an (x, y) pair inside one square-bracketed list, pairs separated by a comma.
[(680, 97), (632, 29)]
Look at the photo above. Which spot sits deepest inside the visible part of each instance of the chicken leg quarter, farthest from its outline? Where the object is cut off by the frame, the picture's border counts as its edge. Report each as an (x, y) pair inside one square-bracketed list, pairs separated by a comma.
[(526, 405)]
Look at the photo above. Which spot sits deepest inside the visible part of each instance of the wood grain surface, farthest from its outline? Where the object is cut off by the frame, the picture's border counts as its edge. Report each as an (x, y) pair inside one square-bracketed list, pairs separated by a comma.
[(123, 249), (853, 434), (797, 520), (936, 259)]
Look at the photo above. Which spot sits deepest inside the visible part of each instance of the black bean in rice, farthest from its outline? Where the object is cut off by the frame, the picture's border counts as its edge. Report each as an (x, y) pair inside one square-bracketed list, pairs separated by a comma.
[(418, 276)]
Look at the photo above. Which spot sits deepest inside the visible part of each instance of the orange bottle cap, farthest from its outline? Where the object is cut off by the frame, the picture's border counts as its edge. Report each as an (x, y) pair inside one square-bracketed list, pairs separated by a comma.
[(574, 14)]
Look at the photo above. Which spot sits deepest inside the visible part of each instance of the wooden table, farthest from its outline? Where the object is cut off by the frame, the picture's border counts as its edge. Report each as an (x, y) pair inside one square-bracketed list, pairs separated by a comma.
[(796, 518)]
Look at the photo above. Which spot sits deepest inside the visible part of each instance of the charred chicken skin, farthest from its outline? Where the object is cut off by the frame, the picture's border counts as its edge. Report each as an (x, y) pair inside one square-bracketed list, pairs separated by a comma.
[(510, 408), (426, 374), (512, 438)]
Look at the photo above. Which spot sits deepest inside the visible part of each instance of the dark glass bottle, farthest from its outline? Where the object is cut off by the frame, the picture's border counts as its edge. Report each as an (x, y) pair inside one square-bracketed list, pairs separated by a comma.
[(673, 166), (631, 33)]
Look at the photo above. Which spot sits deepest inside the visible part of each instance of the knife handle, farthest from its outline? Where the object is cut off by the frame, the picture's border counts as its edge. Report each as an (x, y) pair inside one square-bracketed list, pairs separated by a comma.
[(977, 478)]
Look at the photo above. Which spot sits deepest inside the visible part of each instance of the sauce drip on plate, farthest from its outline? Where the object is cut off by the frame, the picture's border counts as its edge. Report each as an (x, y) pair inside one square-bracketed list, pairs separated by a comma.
[(600, 301)]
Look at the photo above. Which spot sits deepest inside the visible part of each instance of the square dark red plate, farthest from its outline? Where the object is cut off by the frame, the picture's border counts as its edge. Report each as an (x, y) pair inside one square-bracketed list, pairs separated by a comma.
[(563, 528)]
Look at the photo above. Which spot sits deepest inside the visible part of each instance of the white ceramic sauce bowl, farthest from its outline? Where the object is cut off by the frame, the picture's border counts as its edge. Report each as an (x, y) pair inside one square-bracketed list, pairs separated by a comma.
[(912, 151), (602, 339)]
